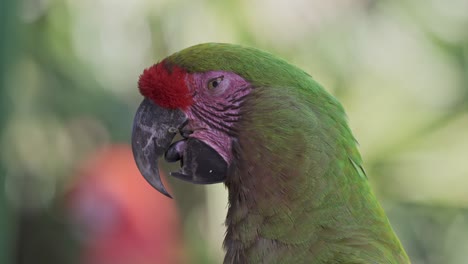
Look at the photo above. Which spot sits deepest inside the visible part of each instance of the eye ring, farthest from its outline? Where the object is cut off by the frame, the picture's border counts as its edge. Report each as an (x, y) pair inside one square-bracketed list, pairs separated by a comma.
[(215, 82)]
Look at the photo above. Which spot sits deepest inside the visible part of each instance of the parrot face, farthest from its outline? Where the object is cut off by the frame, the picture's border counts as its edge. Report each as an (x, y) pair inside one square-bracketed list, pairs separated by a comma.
[(203, 107)]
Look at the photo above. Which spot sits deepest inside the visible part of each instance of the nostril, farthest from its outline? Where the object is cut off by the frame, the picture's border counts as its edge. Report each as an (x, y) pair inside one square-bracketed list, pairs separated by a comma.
[(175, 151), (172, 130)]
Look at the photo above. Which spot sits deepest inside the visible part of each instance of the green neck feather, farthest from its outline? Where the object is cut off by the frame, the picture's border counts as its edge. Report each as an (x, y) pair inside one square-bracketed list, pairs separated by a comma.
[(297, 192)]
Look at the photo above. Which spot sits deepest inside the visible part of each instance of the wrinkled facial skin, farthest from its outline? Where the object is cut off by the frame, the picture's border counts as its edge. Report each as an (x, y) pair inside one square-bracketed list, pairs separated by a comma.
[(207, 127), (215, 110)]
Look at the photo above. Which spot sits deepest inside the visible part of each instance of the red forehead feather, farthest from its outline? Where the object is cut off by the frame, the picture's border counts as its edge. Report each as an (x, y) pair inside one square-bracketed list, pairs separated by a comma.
[(166, 86)]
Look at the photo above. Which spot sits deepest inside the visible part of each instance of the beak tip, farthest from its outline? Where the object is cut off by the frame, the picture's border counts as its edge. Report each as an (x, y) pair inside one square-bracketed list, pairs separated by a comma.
[(163, 190), (156, 183), (167, 195)]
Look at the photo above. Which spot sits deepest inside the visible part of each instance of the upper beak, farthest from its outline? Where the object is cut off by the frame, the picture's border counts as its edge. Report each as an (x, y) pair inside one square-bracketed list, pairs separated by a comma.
[(154, 129)]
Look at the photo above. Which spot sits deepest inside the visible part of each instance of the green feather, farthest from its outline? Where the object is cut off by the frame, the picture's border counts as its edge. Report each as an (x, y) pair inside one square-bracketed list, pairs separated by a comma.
[(297, 189)]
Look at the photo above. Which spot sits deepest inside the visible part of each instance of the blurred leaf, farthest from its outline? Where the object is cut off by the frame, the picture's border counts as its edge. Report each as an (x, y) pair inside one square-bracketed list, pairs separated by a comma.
[(7, 44)]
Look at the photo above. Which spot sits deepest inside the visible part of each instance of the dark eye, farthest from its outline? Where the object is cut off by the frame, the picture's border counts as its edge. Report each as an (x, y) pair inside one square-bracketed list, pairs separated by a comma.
[(213, 83)]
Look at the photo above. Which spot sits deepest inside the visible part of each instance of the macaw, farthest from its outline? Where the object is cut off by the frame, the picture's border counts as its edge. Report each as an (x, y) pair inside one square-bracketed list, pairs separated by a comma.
[(281, 145)]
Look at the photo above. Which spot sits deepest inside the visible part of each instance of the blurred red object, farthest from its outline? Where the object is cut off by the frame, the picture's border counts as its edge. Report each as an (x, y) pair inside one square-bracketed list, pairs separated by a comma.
[(119, 217)]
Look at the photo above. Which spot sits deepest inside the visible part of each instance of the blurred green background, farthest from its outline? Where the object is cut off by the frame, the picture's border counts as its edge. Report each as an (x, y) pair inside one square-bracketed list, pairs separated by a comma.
[(68, 73)]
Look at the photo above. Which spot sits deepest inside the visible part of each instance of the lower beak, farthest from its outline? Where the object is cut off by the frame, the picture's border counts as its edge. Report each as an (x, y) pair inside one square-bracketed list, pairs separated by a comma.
[(154, 129)]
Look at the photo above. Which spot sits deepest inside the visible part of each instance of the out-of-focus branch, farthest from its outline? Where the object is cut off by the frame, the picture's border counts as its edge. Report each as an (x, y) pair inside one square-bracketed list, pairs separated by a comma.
[(458, 53)]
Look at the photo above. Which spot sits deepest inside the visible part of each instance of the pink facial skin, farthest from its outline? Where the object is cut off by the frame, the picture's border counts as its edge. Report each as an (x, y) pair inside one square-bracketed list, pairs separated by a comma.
[(216, 110)]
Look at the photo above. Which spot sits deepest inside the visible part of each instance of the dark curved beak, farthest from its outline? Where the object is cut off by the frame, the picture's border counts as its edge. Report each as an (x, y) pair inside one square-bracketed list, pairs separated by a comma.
[(154, 129)]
